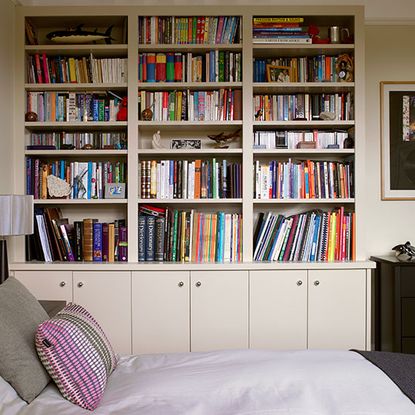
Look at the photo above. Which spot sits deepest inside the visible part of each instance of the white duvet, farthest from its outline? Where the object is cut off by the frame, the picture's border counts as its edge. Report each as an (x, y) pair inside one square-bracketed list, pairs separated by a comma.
[(241, 382)]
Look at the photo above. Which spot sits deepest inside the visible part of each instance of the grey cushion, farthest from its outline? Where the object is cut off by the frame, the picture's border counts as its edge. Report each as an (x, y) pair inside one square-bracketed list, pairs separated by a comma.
[(20, 314)]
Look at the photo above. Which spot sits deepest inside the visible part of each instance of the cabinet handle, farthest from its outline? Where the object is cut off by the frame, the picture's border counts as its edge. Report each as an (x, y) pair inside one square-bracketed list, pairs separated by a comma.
[(80, 284), (299, 282), (316, 283), (198, 284), (180, 284), (62, 284)]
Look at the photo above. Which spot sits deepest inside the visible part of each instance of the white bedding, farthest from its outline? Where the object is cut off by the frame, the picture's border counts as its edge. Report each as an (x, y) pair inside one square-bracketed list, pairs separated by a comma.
[(241, 382)]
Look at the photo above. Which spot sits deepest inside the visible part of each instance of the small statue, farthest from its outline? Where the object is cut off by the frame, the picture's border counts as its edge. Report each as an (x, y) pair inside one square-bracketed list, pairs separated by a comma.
[(404, 252), (344, 67), (122, 113), (147, 114), (156, 142), (30, 116), (314, 32), (223, 139), (258, 114)]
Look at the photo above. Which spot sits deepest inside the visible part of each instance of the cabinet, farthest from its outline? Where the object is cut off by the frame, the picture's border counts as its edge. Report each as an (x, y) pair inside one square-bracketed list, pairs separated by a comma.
[(325, 310), (278, 309), (107, 296), (394, 305), (160, 311), (47, 285)]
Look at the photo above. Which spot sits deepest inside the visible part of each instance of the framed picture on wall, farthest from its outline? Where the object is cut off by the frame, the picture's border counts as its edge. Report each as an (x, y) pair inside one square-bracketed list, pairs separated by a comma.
[(398, 140)]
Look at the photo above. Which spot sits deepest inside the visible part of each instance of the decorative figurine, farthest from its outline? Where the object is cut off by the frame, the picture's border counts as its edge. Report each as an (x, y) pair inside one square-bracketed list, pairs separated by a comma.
[(30, 116), (122, 113), (344, 67), (314, 32), (156, 142), (258, 114), (223, 139), (58, 187), (405, 252), (79, 36), (147, 114)]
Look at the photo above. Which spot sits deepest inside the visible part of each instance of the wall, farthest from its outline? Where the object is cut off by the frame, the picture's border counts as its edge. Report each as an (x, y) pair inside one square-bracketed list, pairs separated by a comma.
[(389, 57), (6, 88)]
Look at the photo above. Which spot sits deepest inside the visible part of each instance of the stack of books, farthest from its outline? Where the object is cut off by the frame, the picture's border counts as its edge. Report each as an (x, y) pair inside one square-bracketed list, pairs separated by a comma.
[(310, 236), (280, 30), (188, 236), (55, 239)]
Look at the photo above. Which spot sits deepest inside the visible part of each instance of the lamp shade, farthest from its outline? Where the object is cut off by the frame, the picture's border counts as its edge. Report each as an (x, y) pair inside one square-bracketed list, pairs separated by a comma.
[(16, 215)]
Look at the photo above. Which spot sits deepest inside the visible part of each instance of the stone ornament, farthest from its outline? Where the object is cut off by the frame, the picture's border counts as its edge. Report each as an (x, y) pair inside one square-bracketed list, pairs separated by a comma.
[(58, 187)]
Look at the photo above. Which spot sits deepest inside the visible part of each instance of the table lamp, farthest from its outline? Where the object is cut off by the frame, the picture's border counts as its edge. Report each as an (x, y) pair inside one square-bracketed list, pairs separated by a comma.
[(16, 218)]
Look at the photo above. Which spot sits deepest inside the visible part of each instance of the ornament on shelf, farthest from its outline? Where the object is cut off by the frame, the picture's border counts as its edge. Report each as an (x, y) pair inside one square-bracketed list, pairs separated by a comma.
[(327, 116), (30, 116), (404, 252), (156, 141), (122, 113), (223, 139), (58, 187), (314, 32), (344, 67)]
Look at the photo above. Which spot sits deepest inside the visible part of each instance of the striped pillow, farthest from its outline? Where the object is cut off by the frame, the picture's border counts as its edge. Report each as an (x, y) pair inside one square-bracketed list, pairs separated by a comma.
[(77, 355)]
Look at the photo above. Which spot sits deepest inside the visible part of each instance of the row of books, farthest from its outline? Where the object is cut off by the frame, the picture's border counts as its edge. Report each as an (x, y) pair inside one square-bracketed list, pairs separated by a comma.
[(310, 236), (188, 30), (87, 179), (72, 106), (291, 139), (321, 68), (55, 239), (190, 179), (188, 236), (213, 66), (308, 107), (215, 105), (303, 180), (58, 140), (61, 69), (279, 30)]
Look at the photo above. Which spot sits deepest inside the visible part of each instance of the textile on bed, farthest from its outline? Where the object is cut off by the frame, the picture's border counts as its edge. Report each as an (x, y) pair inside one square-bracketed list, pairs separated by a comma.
[(77, 354)]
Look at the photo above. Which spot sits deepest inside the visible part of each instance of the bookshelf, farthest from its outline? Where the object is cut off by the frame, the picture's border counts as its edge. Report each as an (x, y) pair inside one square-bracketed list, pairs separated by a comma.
[(244, 49)]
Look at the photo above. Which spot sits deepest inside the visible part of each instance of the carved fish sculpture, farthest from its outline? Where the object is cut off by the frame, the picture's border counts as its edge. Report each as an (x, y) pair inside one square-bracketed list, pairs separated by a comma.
[(79, 36)]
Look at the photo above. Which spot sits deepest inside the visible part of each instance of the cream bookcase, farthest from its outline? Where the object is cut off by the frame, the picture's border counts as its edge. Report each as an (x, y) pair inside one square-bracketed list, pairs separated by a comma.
[(150, 307)]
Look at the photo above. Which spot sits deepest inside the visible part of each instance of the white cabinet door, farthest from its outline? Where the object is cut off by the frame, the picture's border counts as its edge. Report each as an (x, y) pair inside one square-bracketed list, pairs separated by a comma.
[(47, 285), (278, 309), (337, 309), (219, 310), (160, 304), (107, 296)]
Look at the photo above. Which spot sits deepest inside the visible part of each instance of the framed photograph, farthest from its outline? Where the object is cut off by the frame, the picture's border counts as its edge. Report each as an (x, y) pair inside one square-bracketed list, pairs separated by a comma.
[(185, 143), (277, 73), (115, 191), (398, 140)]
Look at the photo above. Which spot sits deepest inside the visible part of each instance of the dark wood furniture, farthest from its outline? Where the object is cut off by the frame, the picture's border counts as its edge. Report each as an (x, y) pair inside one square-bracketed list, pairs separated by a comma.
[(394, 304)]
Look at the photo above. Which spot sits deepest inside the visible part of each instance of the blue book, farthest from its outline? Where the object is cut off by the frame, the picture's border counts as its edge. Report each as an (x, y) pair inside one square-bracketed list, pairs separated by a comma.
[(212, 65), (97, 251), (220, 236), (315, 237), (89, 187)]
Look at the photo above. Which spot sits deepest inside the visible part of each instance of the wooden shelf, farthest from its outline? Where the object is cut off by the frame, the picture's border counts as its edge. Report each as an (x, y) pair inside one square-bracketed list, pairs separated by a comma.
[(288, 125), (78, 125), (289, 49), (294, 87), (188, 85), (76, 87), (189, 47), (76, 153), (173, 152), (317, 151), (190, 201), (83, 202), (338, 201), (79, 50)]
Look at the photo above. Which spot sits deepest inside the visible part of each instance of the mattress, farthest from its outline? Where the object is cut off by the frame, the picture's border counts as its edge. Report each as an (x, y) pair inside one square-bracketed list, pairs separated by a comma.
[(234, 382)]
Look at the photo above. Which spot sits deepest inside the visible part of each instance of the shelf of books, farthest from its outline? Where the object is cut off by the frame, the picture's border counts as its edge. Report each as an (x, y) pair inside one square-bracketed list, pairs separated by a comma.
[(242, 139)]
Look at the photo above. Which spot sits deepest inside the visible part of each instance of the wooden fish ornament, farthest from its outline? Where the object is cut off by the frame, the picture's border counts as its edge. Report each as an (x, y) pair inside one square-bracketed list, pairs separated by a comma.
[(79, 36)]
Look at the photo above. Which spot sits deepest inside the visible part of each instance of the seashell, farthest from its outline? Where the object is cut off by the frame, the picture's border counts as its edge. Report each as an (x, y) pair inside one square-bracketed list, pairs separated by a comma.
[(58, 187)]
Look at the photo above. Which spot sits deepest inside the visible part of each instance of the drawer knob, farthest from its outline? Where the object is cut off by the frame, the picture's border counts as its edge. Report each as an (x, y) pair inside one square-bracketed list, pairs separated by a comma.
[(299, 282), (62, 284), (80, 284), (180, 284), (198, 284), (316, 283)]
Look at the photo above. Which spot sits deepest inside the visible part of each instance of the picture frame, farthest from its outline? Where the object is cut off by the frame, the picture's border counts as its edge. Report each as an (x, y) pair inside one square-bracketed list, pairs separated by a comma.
[(185, 143), (278, 73), (397, 99), (114, 190)]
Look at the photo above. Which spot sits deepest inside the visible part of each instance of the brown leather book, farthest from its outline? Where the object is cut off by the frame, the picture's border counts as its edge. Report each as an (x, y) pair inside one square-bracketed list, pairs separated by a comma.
[(88, 239)]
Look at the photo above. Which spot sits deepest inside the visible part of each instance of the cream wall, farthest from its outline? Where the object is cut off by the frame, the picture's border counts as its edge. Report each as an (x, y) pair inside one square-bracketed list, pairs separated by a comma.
[(389, 57), (6, 92)]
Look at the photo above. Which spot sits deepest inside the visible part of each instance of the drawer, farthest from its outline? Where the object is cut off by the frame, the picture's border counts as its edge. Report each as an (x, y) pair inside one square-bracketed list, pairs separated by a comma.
[(407, 281), (408, 317), (408, 345)]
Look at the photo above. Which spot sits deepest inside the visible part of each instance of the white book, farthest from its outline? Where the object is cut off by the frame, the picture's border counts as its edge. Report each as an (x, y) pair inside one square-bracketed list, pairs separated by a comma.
[(44, 238), (162, 179), (228, 230), (306, 253), (297, 232), (185, 178), (158, 181)]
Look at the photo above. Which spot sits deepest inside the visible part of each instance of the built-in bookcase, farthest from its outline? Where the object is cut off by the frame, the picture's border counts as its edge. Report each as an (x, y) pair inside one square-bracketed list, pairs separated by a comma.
[(189, 73)]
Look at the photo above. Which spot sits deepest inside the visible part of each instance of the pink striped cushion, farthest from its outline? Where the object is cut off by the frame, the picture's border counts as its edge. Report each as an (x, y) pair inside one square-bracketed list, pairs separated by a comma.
[(77, 355)]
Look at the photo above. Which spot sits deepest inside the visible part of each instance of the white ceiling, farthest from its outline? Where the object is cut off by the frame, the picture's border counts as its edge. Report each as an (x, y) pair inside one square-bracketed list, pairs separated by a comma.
[(376, 11)]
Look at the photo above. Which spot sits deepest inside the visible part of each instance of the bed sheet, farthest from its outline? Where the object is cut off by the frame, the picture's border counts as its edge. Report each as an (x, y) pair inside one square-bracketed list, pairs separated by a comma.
[(233, 382)]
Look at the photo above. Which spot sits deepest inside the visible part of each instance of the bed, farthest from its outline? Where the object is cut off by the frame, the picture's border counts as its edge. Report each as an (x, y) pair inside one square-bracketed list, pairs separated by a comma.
[(234, 382)]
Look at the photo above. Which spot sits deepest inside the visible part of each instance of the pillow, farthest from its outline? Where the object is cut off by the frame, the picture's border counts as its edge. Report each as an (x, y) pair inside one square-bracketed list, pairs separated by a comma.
[(77, 354), (20, 314)]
